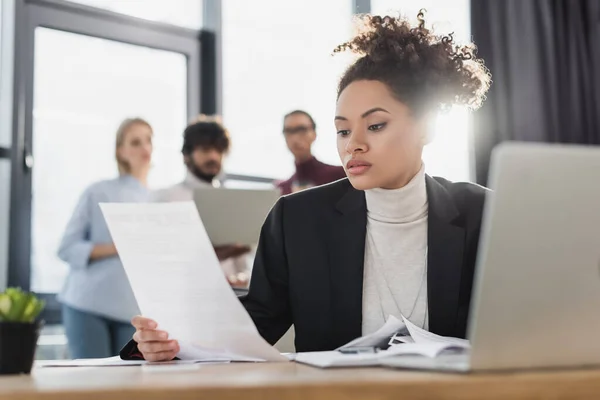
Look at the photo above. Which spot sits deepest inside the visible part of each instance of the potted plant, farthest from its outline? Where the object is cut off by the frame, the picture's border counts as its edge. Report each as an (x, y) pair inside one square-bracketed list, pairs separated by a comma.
[(19, 330)]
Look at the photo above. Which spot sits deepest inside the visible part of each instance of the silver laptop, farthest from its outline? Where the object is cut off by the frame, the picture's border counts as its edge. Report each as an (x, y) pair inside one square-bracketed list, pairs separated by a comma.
[(536, 296), (234, 216)]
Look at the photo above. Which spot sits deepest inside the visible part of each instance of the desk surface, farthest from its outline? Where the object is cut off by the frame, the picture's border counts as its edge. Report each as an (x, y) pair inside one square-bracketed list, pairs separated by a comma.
[(292, 381)]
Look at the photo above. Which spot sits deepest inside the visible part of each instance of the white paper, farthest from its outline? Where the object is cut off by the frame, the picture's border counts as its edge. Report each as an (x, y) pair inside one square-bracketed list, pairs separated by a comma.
[(401, 339), (430, 350), (330, 359), (405, 339), (89, 362), (421, 336), (178, 282), (391, 327), (117, 362)]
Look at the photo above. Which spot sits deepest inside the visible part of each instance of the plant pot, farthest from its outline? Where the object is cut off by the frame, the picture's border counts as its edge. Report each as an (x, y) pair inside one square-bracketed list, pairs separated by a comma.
[(18, 341)]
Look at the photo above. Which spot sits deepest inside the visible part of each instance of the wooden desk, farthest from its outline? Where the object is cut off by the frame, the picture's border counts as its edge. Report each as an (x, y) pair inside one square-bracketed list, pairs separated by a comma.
[(292, 381)]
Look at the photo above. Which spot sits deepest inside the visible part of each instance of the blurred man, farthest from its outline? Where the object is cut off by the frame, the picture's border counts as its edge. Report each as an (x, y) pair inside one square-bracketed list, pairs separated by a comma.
[(205, 143), (299, 130)]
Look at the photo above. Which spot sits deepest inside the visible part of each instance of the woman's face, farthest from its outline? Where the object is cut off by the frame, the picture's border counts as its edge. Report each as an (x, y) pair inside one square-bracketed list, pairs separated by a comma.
[(136, 149), (379, 142)]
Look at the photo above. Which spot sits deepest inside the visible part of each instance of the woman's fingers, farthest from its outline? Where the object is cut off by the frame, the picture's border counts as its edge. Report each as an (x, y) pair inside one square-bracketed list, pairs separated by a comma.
[(140, 322), (150, 348), (151, 342), (162, 356), (145, 335)]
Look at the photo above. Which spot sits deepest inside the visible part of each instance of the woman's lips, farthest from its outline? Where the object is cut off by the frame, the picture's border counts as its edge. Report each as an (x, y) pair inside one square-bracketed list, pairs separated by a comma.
[(357, 167)]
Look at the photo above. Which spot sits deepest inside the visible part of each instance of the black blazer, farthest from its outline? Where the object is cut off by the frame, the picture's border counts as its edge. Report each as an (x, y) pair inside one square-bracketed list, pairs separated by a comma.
[(308, 269)]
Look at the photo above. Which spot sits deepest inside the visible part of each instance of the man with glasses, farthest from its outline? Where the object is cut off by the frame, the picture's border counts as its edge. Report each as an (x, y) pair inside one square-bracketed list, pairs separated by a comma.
[(299, 129)]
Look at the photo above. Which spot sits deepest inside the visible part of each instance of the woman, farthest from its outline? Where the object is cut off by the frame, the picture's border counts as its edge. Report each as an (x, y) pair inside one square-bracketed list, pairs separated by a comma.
[(336, 260), (97, 299)]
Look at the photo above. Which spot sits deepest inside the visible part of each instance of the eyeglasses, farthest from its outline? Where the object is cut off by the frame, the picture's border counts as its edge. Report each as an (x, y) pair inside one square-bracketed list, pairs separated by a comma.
[(296, 129)]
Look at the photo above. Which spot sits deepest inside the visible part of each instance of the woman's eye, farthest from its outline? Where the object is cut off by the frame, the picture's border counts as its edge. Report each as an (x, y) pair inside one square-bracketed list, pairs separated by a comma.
[(377, 127), (343, 132)]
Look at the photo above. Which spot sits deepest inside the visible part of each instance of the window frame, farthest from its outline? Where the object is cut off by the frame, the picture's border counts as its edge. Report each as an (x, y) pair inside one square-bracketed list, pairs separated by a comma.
[(89, 21)]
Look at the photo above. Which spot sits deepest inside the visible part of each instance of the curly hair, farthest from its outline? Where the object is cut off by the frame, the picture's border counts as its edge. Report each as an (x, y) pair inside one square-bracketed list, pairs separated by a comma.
[(425, 71), (205, 131)]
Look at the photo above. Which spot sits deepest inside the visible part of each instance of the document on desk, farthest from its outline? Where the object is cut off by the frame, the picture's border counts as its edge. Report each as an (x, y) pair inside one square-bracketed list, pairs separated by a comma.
[(117, 362), (421, 336), (332, 359), (177, 281), (89, 362), (391, 327), (404, 338)]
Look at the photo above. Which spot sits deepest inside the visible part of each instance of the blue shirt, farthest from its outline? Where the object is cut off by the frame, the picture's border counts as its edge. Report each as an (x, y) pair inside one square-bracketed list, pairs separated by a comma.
[(98, 286)]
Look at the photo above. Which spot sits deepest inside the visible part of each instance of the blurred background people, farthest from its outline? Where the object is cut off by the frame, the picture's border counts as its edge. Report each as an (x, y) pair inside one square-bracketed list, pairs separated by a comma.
[(205, 143), (299, 129), (97, 301)]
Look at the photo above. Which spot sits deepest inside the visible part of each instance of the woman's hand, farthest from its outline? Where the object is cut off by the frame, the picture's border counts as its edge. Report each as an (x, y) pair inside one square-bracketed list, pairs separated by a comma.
[(231, 251), (152, 343), (239, 280), (100, 251)]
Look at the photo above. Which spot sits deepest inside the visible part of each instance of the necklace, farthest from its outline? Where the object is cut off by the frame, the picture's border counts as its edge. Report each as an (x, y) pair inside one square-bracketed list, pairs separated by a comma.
[(379, 275)]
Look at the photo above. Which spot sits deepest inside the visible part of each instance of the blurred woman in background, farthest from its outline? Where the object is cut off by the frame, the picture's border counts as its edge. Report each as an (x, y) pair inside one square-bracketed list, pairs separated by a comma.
[(97, 299)]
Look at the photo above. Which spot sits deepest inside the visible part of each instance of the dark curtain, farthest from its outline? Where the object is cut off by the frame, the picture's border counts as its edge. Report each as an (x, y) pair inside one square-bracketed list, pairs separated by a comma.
[(544, 56)]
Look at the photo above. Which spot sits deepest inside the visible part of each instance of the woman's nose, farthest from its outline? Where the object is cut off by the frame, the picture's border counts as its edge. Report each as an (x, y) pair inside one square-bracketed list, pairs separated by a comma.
[(356, 143)]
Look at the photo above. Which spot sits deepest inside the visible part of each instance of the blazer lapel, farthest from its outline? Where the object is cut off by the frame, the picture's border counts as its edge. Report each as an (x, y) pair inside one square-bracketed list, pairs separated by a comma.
[(346, 259), (445, 259)]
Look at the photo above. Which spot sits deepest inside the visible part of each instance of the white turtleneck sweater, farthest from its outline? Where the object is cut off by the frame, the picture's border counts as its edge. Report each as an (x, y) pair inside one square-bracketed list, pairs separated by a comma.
[(395, 269)]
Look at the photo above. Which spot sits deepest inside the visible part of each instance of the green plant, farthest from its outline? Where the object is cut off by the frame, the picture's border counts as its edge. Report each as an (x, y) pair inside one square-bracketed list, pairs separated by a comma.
[(19, 306)]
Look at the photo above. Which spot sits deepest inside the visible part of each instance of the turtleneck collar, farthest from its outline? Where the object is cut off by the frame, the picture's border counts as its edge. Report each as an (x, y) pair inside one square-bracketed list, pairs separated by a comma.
[(194, 182), (407, 204)]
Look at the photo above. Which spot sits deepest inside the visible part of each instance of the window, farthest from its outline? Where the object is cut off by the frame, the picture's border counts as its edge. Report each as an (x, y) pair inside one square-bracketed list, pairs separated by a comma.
[(277, 57), (6, 48), (184, 13), (450, 152), (4, 217), (84, 87), (1, 38), (6, 68)]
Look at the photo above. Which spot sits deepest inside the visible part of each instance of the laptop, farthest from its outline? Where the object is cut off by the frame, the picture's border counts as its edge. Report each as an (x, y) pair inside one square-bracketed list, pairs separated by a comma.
[(536, 294), (234, 216)]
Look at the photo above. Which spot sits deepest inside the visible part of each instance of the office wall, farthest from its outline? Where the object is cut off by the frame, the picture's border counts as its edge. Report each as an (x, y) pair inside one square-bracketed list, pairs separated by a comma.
[(6, 90)]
